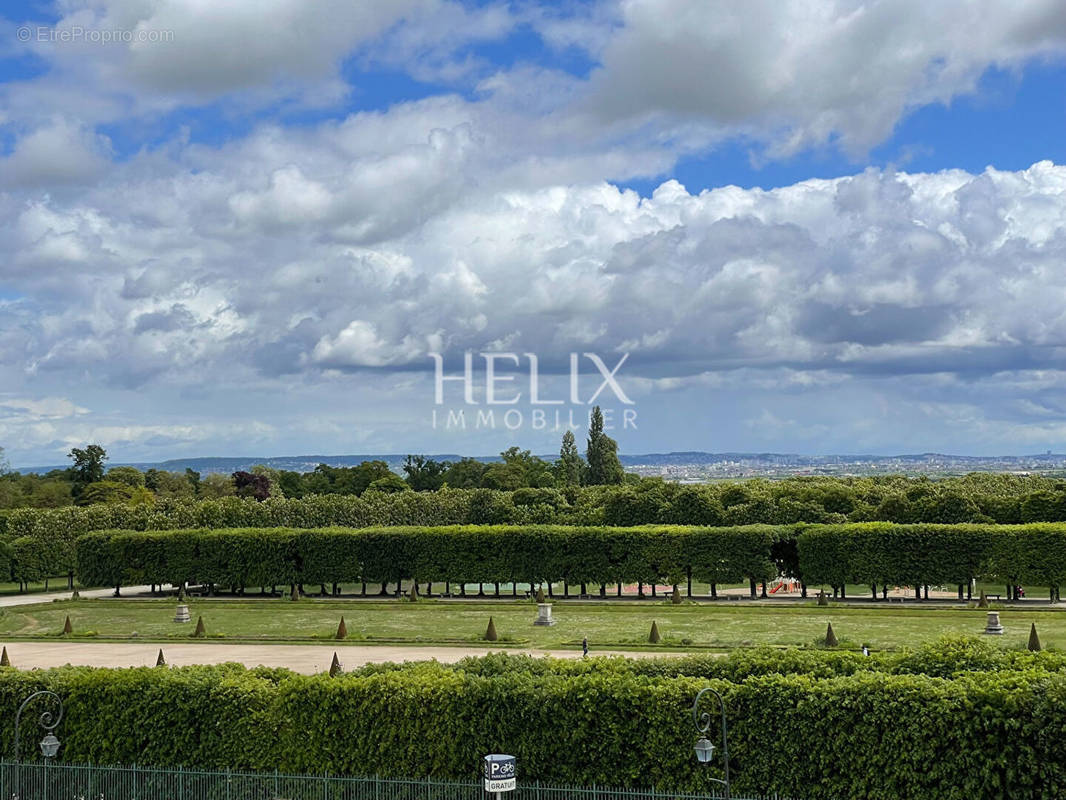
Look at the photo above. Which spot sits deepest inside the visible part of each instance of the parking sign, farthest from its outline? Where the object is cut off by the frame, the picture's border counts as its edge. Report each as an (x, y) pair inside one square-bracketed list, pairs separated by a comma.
[(499, 773)]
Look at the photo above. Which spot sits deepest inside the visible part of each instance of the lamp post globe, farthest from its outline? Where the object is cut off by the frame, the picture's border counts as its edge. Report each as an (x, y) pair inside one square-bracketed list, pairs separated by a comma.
[(49, 746), (704, 750), (704, 747)]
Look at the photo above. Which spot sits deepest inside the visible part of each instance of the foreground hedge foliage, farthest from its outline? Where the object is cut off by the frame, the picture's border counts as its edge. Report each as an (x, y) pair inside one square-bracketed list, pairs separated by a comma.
[(870, 734), (945, 658), (470, 554)]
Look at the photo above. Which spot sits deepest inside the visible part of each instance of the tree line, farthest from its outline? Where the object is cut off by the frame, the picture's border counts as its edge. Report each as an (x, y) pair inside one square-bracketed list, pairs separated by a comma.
[(977, 498), (88, 481)]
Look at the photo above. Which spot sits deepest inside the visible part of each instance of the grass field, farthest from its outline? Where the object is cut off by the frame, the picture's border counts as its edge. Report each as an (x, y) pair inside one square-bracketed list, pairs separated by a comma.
[(622, 625)]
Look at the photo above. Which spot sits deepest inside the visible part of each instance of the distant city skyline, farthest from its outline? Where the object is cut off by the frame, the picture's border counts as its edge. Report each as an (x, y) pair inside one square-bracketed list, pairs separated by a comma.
[(677, 466), (245, 227)]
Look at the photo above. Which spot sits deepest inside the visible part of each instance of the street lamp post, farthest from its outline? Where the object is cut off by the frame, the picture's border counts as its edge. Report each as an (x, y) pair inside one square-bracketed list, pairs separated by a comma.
[(704, 746), (48, 722)]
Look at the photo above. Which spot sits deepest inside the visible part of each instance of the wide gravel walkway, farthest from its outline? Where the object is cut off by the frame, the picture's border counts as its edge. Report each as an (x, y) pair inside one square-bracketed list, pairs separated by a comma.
[(299, 658)]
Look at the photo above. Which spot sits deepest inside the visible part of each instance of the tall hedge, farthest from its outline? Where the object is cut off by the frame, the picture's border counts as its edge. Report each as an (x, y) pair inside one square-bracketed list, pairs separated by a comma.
[(866, 553), (869, 734), (916, 555), (259, 557)]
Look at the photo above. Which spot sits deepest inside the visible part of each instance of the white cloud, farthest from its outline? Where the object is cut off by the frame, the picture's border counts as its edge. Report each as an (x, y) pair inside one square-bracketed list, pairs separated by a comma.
[(359, 345), (60, 151), (39, 409), (797, 74)]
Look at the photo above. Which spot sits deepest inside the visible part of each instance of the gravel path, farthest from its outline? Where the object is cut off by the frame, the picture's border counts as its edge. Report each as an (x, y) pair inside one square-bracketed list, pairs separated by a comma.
[(299, 658), (46, 597)]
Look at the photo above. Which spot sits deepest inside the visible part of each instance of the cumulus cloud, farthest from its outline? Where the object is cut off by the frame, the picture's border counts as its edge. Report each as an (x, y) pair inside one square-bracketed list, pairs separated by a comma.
[(59, 152), (875, 273), (797, 74)]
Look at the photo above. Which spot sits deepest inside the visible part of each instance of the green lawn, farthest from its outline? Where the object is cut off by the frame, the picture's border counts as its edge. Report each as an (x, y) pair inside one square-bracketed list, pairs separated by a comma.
[(722, 625)]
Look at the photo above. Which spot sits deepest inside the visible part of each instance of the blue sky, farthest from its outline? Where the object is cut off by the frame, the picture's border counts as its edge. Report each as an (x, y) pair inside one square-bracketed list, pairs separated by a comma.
[(246, 228)]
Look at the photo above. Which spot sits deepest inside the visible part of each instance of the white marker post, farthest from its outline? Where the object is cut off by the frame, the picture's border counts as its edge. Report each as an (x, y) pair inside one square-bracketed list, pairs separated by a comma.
[(499, 773)]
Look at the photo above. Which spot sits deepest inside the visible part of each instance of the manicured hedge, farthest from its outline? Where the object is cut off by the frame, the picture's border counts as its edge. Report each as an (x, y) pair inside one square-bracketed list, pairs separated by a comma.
[(916, 555), (943, 658), (865, 735), (257, 557), (870, 553)]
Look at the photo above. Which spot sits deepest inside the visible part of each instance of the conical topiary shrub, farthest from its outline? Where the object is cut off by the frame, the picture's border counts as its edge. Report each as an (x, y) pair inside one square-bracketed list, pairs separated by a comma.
[(75, 595), (200, 631), (4, 660), (181, 593), (823, 598), (830, 637), (335, 667), (67, 627), (983, 602), (653, 636), (1034, 640), (490, 632), (159, 660), (295, 593), (675, 598), (413, 594), (540, 595), (342, 630)]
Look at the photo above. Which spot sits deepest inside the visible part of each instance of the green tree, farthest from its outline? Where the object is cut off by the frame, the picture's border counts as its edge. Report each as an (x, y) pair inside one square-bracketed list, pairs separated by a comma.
[(570, 468), (105, 492), (424, 474), (466, 473), (518, 470), (170, 485), (344, 480), (88, 465), (131, 476), (390, 483), (602, 454), (216, 485)]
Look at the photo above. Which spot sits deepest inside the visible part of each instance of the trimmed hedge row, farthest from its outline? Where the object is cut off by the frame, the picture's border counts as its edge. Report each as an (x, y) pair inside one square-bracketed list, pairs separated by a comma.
[(870, 553), (865, 735), (944, 658), (488, 554), (917, 555)]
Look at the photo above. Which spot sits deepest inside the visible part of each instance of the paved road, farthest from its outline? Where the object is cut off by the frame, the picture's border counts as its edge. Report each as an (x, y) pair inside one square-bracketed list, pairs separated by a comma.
[(300, 658)]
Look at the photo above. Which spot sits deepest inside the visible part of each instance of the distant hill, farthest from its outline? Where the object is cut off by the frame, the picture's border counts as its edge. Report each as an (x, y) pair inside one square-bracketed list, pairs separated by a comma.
[(675, 465)]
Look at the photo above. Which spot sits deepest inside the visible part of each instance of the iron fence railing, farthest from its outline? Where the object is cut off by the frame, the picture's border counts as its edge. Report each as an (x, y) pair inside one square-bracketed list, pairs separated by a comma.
[(59, 781)]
